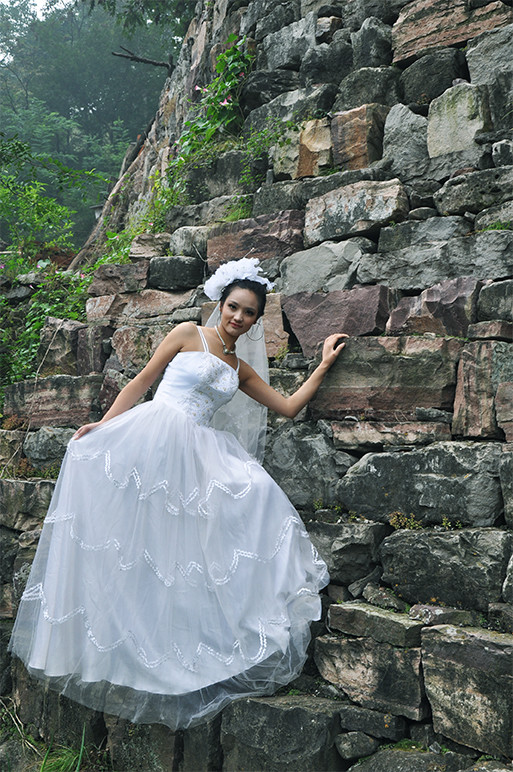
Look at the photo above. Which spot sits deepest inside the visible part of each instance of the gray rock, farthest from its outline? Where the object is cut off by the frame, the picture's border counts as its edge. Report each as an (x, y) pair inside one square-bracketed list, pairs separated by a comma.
[(455, 480), (432, 414), (369, 84), (280, 16), (500, 617), (59, 400), (475, 191), (109, 278), (463, 568), (284, 195), (418, 233), (422, 213), (148, 245), (24, 503), (262, 86), (303, 461), (506, 478), (286, 48), (405, 142), (495, 218), (430, 75), (372, 722), (292, 106), (363, 620), (357, 11), (202, 746), (357, 588), (215, 210), (507, 587), (490, 63), (58, 345), (176, 272), (259, 10), (496, 301), (330, 266), (468, 675), (46, 445), (372, 44), (190, 240), (442, 615), (454, 119), (11, 442), (384, 598), (395, 760), (502, 152), (354, 745), (359, 209), (486, 254), (373, 674), (281, 734), (327, 63), (350, 550)]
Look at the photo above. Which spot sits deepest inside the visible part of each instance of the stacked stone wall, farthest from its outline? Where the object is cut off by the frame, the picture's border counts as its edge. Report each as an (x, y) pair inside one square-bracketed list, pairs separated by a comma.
[(388, 215)]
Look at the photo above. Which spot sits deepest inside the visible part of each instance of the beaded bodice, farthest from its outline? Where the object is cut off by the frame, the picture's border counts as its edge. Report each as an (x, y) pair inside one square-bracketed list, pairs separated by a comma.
[(197, 383)]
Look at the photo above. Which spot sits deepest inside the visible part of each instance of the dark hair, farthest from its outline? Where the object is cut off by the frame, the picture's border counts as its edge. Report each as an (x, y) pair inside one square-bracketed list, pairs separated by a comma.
[(254, 286)]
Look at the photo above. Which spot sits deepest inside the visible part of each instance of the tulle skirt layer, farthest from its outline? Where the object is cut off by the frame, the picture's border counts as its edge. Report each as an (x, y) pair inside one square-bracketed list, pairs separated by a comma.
[(172, 575)]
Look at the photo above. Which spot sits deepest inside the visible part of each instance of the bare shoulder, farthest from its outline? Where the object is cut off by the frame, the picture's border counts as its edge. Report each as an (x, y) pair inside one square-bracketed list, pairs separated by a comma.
[(184, 332)]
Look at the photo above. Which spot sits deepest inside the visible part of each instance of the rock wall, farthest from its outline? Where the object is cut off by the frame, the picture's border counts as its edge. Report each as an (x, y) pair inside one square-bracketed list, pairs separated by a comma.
[(388, 214)]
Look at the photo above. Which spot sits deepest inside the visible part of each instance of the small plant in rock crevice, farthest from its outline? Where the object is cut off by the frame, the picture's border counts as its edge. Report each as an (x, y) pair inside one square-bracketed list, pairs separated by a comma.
[(400, 520)]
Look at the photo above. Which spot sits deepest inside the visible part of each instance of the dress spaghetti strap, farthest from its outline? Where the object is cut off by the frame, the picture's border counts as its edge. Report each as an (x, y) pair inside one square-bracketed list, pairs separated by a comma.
[(203, 340)]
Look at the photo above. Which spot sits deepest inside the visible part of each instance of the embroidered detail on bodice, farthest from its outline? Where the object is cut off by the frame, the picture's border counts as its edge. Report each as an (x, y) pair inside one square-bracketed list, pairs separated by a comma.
[(197, 383)]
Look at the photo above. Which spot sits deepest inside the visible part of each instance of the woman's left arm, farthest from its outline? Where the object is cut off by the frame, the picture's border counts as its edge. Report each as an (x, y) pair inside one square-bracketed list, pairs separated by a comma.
[(252, 385)]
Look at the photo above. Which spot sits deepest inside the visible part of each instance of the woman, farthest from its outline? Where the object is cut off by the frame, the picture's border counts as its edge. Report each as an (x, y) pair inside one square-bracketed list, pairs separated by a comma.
[(172, 574)]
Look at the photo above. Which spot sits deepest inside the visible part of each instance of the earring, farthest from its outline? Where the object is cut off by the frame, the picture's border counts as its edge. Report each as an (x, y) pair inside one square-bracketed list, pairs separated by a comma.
[(260, 336)]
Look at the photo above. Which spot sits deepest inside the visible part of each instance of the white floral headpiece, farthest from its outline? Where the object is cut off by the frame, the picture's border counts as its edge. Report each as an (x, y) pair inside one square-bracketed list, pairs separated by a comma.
[(245, 268)]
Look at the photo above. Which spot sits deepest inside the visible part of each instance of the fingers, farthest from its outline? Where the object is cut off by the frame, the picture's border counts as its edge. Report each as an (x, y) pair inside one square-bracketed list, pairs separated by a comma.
[(83, 430)]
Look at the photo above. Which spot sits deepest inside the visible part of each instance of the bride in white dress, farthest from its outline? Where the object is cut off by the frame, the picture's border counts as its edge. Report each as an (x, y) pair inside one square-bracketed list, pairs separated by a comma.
[(173, 574)]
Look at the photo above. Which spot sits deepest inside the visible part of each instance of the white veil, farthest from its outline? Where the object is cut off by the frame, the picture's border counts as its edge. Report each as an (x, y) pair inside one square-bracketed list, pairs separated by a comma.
[(243, 416)]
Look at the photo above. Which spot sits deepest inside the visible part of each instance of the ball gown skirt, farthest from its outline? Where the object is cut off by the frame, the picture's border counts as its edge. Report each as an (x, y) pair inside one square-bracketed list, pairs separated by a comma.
[(172, 575)]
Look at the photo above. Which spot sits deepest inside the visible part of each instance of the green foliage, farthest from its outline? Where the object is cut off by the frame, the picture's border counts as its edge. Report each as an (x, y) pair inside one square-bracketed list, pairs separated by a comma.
[(131, 14), (399, 519), (498, 226)]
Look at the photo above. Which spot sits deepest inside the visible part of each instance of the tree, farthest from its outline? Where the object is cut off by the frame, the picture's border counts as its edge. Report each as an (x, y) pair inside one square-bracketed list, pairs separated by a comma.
[(174, 15)]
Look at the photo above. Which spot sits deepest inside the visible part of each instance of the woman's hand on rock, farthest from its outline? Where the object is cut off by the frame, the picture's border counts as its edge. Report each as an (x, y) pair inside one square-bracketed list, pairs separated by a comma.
[(332, 347)]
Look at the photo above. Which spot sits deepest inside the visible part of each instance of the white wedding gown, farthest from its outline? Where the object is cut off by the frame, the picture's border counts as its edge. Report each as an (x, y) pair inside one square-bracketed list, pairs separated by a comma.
[(172, 575)]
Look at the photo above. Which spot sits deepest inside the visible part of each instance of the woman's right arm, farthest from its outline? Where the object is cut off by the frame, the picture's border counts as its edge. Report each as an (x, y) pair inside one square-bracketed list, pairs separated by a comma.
[(174, 342)]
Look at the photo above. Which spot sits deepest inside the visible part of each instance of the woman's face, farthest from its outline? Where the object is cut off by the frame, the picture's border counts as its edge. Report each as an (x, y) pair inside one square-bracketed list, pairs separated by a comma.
[(239, 311)]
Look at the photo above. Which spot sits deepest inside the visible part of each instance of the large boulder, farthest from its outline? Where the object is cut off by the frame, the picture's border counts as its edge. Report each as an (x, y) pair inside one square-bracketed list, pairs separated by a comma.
[(47, 445), (303, 462), (262, 86), (430, 75), (432, 24), (357, 136), (405, 142), (475, 191), (374, 674), (281, 734), (350, 550), (496, 301), (468, 675), (58, 346), (447, 308), (60, 400), (490, 63), (381, 378), (455, 481), (465, 568), (329, 266), (483, 366), (366, 621), (363, 436), (488, 254), (176, 272), (455, 118), (270, 238), (135, 305), (372, 44), (109, 279), (327, 62), (286, 48), (295, 106), (358, 209), (314, 316), (369, 84)]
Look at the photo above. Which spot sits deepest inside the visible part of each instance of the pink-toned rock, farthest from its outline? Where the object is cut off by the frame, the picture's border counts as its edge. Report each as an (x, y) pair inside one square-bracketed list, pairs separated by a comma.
[(314, 316), (110, 279), (57, 352), (357, 136), (497, 329), (314, 148), (385, 379), (61, 400), (275, 336), (446, 308), (326, 27), (112, 384), (91, 349), (357, 209), (373, 435), (268, 236), (134, 346), (504, 408), (482, 367), (429, 24), (148, 245), (135, 305)]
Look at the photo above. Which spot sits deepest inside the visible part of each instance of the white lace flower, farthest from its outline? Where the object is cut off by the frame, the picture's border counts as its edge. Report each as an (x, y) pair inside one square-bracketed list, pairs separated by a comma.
[(245, 268)]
